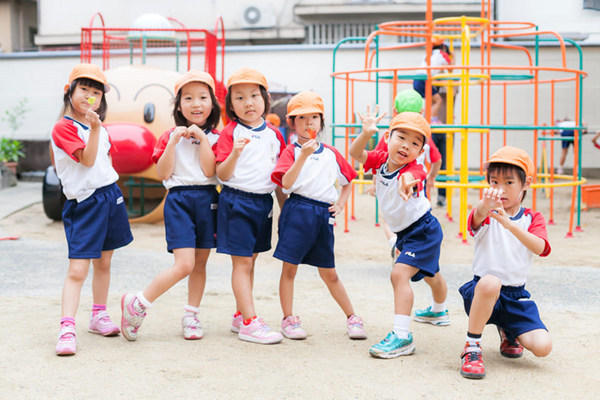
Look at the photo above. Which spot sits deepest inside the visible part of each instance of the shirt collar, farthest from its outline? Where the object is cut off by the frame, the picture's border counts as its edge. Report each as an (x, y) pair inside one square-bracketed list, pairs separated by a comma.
[(78, 123), (259, 128)]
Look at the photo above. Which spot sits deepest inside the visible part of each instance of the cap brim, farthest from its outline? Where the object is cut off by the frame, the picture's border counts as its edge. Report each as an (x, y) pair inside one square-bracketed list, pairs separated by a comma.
[(248, 81), (409, 128), (509, 161), (94, 78), (305, 110)]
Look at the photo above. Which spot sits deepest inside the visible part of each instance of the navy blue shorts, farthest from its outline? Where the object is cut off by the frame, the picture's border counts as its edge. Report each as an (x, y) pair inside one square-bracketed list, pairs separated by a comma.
[(567, 133), (514, 311), (191, 217), (97, 224), (419, 86), (306, 233), (419, 246), (244, 222)]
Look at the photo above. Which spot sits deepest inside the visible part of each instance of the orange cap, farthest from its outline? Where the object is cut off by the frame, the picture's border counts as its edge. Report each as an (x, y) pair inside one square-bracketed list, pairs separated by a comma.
[(437, 40), (195, 76), (273, 119), (305, 102), (89, 71), (247, 75), (411, 121), (513, 156)]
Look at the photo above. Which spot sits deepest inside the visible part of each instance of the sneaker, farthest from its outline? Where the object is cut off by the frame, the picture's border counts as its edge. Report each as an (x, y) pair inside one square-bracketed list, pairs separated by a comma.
[(435, 318), (560, 171), (392, 346), (291, 328), (472, 363), (441, 201), (67, 341), (509, 348), (355, 327), (192, 329), (102, 325), (132, 316), (259, 332), (236, 323)]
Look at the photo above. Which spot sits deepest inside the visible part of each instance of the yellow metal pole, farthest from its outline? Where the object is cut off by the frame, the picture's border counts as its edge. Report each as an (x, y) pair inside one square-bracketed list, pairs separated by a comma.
[(464, 138)]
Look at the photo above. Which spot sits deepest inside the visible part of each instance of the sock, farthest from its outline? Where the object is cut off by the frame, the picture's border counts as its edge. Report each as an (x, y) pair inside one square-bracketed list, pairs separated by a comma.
[(392, 241), (96, 308), (67, 321), (237, 314), (438, 307), (247, 321), (473, 340), (142, 301), (401, 325), (190, 311)]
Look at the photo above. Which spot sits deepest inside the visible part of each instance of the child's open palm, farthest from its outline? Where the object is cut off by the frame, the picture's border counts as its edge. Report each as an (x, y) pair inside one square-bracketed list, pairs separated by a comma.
[(370, 120)]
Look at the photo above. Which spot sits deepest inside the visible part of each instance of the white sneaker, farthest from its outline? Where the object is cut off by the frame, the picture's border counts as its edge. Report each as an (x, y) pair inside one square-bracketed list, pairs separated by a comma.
[(133, 315), (192, 329), (259, 332), (292, 328)]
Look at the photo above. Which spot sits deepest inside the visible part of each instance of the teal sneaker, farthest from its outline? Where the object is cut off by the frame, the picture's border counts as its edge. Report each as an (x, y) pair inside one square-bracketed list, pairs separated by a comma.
[(434, 318), (392, 346)]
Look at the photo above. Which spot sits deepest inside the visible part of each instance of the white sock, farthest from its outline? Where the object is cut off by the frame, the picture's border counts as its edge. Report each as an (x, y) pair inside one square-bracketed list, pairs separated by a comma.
[(191, 310), (473, 342), (438, 307), (401, 325), (143, 301), (392, 241)]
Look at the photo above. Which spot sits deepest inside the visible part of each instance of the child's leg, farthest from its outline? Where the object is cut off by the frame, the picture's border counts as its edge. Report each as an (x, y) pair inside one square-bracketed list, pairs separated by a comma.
[(337, 290), (78, 270), (563, 156), (537, 341), (403, 293), (183, 266), (242, 278), (101, 278), (197, 278), (436, 103), (486, 294), (439, 289), (286, 288), (437, 313)]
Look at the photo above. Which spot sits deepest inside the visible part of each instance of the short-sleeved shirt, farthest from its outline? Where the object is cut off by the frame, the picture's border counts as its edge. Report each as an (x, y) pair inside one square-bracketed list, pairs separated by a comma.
[(79, 182), (438, 58), (500, 253), (187, 169), (397, 212), (318, 175), (258, 159)]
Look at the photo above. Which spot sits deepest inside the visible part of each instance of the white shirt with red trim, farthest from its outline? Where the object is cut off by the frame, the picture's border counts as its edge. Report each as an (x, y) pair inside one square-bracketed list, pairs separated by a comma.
[(79, 182), (318, 175), (187, 169), (438, 58), (398, 213), (498, 252), (258, 159)]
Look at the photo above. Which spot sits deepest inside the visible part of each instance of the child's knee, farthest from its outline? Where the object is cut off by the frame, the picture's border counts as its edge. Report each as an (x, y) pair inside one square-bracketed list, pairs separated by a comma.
[(289, 272), (328, 275), (184, 268), (77, 273), (488, 286), (538, 342)]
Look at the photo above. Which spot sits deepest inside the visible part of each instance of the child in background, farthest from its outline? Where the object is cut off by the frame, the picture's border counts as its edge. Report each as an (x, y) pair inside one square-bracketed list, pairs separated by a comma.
[(565, 144), (247, 151), (308, 170), (507, 236), (94, 215), (408, 213), (186, 164)]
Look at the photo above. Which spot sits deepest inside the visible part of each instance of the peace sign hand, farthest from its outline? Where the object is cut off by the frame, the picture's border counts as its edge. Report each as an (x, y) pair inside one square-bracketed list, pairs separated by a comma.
[(406, 185)]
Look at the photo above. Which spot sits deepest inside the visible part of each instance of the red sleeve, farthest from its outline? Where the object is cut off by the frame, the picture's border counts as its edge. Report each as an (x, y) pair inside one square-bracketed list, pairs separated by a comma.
[(159, 149), (486, 221), (225, 142), (382, 145), (434, 152), (285, 162), (65, 137), (538, 228), (214, 146), (282, 144), (375, 159), (345, 167)]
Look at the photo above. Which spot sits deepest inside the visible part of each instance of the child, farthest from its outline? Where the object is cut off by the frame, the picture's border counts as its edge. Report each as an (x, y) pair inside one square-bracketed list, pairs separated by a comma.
[(419, 234), (186, 163), (507, 236), (247, 152), (565, 144), (308, 170), (94, 215)]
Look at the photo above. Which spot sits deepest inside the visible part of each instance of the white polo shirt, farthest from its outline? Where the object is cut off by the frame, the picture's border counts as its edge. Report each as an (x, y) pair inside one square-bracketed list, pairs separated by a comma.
[(318, 175), (498, 252), (258, 159), (397, 212), (79, 182), (187, 169)]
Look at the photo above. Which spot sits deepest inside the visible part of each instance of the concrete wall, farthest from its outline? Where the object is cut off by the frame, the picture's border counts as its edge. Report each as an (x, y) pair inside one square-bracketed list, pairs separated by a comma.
[(295, 68)]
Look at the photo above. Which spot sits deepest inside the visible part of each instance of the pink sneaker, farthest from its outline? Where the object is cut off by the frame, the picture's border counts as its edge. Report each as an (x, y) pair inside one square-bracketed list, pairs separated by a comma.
[(258, 332), (355, 327), (67, 341), (102, 325), (132, 316), (192, 329), (291, 328), (236, 323)]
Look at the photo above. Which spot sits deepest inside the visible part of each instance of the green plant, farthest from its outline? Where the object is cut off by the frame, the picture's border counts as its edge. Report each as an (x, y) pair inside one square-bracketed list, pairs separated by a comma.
[(15, 116), (10, 150)]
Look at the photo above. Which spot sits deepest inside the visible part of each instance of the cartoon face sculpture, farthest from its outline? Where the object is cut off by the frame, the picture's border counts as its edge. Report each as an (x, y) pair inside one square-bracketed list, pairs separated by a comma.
[(140, 106)]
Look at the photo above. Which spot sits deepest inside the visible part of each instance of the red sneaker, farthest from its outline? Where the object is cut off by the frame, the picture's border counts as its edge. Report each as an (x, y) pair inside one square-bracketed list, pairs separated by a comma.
[(472, 366), (509, 348)]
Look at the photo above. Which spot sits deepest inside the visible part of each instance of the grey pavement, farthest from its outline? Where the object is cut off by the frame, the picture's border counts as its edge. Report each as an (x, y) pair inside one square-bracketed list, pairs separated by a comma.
[(18, 197)]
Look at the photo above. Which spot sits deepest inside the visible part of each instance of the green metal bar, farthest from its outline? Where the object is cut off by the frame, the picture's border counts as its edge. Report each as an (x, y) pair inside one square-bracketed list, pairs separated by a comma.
[(377, 103)]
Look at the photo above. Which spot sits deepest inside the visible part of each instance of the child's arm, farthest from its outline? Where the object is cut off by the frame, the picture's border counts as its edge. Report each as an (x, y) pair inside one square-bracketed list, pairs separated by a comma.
[(87, 155), (166, 163), (433, 171), (288, 179), (207, 156), (369, 127), (337, 207), (534, 243), (281, 197), (226, 168)]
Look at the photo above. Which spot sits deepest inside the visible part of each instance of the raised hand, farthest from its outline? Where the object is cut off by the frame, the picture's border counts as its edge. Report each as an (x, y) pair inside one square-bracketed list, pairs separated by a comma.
[(406, 184), (177, 134), (309, 147), (370, 120), (92, 119), (194, 132), (491, 200)]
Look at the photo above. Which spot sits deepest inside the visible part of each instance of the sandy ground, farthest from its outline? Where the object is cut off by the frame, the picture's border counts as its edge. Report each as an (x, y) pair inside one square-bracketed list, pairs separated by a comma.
[(327, 365)]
